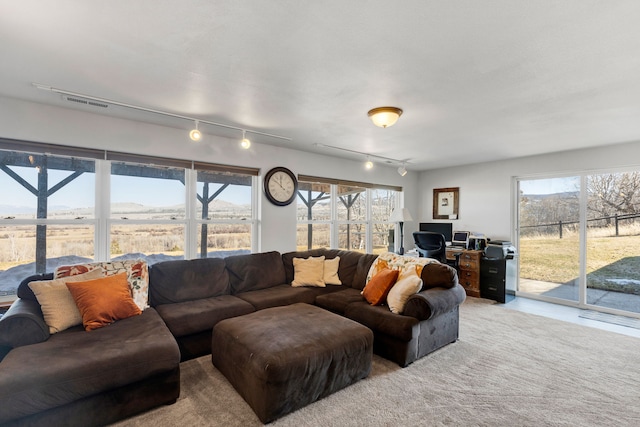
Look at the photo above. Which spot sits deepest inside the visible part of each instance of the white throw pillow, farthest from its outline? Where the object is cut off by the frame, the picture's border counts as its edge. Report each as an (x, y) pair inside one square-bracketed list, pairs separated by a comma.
[(308, 272), (401, 291), (59, 309), (331, 271)]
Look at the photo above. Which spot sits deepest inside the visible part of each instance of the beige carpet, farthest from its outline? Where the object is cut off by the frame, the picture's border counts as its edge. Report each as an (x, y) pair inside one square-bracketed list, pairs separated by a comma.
[(508, 369)]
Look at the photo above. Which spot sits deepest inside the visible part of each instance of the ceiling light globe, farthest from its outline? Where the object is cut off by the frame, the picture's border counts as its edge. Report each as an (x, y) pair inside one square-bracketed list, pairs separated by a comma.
[(384, 116), (245, 143), (195, 135)]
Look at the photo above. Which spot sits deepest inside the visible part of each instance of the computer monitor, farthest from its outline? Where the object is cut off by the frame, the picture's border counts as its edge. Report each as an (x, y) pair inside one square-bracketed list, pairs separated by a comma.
[(445, 228), (460, 238)]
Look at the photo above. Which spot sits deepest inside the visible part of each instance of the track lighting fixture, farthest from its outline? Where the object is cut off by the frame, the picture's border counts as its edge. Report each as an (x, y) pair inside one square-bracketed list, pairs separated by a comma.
[(402, 169), (245, 143), (368, 164), (195, 134)]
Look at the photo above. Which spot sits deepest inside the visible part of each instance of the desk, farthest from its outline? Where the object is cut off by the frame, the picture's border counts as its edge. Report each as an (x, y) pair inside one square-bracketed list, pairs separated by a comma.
[(468, 269)]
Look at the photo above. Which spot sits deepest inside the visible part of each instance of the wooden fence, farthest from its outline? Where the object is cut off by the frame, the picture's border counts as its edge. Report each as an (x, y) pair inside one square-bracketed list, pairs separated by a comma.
[(560, 225)]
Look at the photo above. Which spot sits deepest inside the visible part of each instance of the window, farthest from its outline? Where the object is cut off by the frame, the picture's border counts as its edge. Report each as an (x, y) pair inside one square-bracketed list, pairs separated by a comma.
[(314, 215), (47, 215), (224, 214), (147, 212), (345, 215), (79, 205)]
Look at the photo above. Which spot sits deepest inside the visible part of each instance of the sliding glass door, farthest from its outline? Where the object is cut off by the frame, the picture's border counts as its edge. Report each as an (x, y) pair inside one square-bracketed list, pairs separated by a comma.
[(579, 240), (549, 239), (613, 241)]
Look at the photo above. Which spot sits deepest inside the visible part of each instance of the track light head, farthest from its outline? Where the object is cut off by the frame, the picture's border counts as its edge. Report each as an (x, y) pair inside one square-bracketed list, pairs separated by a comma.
[(195, 134), (368, 164), (402, 170), (245, 143)]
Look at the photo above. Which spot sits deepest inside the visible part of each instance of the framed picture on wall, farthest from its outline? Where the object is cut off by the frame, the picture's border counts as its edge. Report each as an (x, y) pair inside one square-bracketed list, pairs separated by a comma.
[(446, 202)]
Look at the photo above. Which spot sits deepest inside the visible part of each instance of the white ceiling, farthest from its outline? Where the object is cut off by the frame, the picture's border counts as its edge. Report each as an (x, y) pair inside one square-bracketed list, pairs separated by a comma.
[(478, 80)]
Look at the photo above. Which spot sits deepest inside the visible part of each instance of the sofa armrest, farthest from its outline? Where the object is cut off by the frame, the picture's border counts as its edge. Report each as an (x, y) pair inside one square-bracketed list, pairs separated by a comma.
[(23, 324), (434, 302)]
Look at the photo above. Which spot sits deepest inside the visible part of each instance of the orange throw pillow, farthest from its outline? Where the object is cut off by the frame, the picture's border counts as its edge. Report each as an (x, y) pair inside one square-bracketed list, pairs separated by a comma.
[(103, 301), (378, 288)]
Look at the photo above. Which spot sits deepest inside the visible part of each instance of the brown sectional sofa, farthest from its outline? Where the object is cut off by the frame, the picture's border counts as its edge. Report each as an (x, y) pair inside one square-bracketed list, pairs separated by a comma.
[(92, 378)]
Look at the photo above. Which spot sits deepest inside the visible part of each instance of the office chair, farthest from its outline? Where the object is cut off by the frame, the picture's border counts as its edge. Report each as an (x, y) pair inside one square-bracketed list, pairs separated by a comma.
[(431, 245)]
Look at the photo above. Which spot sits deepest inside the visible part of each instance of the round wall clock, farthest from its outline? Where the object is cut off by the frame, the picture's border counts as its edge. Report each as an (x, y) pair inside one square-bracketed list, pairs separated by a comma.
[(280, 186)]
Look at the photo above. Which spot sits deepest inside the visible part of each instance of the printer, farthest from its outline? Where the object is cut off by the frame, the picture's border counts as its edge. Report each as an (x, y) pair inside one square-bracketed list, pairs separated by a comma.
[(499, 249)]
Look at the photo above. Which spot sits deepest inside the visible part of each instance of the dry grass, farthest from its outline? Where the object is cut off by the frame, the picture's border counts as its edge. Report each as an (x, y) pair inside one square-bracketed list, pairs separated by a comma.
[(557, 260)]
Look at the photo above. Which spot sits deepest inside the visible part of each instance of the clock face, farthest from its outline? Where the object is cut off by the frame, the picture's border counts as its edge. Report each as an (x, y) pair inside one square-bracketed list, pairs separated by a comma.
[(280, 186)]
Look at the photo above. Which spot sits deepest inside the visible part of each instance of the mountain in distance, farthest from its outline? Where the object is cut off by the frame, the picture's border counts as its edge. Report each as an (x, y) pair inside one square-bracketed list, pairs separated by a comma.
[(119, 208), (26, 210), (564, 195)]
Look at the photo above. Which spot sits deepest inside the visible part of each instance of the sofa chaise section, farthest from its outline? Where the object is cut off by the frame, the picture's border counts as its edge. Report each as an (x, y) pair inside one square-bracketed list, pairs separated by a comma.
[(80, 378)]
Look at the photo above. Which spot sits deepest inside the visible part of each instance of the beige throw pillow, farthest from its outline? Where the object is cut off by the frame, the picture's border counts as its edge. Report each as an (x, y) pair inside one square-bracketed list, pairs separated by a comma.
[(308, 272), (401, 291), (331, 271), (58, 306)]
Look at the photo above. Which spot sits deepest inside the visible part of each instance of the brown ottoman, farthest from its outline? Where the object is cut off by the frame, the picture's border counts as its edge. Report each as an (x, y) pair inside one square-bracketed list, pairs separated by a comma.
[(283, 358)]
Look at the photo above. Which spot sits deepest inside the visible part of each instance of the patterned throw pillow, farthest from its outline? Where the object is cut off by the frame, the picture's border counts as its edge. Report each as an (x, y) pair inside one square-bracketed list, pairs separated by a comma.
[(137, 276), (405, 264)]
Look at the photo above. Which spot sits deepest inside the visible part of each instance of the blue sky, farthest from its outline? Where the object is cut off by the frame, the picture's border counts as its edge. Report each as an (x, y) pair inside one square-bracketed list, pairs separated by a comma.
[(550, 185), (80, 192)]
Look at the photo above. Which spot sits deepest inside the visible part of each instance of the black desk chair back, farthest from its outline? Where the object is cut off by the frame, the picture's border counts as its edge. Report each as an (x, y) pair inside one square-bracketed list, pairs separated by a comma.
[(431, 245)]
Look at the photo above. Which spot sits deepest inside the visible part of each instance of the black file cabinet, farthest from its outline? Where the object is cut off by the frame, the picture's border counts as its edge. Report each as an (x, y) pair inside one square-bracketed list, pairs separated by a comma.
[(493, 280)]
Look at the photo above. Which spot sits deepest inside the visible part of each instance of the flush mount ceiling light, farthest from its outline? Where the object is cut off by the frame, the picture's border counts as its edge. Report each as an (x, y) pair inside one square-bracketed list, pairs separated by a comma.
[(402, 170), (195, 134), (245, 143), (385, 116)]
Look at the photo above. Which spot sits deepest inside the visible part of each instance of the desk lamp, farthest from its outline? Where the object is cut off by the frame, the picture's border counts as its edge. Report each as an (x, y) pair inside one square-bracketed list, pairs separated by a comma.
[(401, 216)]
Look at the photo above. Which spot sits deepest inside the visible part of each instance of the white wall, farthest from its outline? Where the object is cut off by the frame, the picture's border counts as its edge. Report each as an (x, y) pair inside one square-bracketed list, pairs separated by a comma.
[(486, 188), (56, 125)]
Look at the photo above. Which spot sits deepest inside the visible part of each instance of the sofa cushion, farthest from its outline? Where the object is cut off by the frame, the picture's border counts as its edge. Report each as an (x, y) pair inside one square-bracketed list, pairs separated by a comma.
[(191, 317), (360, 276), (74, 364), (25, 292), (308, 272), (255, 271), (103, 301), (187, 280), (379, 319), (281, 295), (338, 301), (436, 275)]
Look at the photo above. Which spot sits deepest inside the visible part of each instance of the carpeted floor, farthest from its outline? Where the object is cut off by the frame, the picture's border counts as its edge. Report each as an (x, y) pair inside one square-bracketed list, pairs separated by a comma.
[(508, 369)]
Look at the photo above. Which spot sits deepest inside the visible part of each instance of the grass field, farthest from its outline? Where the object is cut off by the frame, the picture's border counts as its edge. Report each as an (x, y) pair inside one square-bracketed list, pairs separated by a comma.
[(613, 263)]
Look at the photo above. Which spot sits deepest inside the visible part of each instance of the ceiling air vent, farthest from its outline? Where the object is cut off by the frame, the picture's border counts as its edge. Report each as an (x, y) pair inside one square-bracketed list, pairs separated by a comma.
[(84, 101)]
